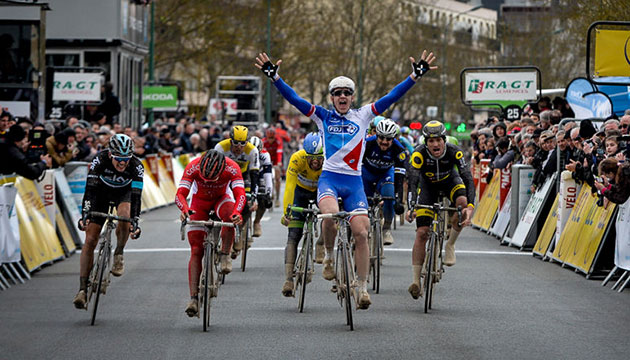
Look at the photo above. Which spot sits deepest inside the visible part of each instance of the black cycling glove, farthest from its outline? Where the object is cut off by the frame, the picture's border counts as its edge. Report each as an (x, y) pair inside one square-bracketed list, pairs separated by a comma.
[(420, 68), (399, 209), (269, 69)]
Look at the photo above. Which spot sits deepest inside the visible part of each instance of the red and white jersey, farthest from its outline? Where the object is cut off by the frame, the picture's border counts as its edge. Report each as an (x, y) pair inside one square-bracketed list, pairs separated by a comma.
[(230, 179)]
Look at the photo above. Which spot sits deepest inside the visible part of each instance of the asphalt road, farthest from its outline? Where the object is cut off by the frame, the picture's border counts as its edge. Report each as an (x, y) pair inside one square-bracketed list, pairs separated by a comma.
[(495, 303)]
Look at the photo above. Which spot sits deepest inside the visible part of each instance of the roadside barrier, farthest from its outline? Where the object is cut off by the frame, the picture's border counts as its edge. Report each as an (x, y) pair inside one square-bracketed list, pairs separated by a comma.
[(38, 221)]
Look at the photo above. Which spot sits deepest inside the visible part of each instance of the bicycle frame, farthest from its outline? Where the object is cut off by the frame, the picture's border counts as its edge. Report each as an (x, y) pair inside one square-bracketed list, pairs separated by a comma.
[(375, 237), (305, 264)]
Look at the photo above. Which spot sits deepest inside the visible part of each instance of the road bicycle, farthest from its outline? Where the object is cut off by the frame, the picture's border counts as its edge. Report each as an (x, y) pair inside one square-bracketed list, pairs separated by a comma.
[(211, 276), (433, 268), (305, 265), (375, 237), (345, 277), (99, 278), (248, 228)]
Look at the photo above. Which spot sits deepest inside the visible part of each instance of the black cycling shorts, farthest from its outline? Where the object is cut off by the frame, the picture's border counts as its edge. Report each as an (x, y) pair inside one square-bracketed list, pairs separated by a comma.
[(103, 199), (301, 198), (429, 193)]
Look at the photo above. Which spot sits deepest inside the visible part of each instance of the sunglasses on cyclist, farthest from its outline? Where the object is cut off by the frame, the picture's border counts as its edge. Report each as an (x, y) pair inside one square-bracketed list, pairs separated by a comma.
[(342, 92), (315, 157), (122, 158), (241, 143), (384, 138)]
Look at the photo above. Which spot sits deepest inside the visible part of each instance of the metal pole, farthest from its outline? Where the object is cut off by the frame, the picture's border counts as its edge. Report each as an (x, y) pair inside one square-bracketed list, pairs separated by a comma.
[(268, 86), (360, 79), (152, 58)]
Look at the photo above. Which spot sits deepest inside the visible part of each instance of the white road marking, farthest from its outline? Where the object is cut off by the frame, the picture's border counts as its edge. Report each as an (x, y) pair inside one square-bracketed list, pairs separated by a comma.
[(474, 252)]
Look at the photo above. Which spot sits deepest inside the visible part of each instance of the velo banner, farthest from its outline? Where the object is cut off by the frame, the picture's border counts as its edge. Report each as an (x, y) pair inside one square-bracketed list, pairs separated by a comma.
[(622, 248), (9, 239), (569, 190), (46, 188)]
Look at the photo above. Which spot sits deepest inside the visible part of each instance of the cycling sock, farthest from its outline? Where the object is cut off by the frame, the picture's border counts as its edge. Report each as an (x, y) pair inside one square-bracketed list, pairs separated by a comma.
[(288, 271), (452, 237), (83, 283), (387, 225), (362, 285), (194, 297), (416, 273), (119, 250), (290, 253)]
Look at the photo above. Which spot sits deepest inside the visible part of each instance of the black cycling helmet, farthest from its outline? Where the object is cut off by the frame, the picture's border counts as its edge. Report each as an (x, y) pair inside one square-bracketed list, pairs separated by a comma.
[(121, 145), (433, 129), (211, 165)]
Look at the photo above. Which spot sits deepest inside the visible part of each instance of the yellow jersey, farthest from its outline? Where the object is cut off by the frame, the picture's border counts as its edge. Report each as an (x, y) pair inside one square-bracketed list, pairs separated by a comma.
[(247, 160), (299, 174)]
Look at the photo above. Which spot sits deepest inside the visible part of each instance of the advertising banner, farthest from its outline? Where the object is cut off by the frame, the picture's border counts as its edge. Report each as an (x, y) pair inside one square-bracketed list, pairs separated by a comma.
[(69, 206), (506, 184), (570, 232), (167, 160), (152, 162), (527, 227), (46, 188), (9, 240), (218, 105), (585, 101), (487, 205), (612, 50), (622, 247), (166, 184), (16, 108), (178, 171), (73, 86), (76, 175), (508, 85), (159, 97), (548, 231), (569, 191), (503, 219), (476, 173), (483, 181), (64, 232), (151, 194), (591, 230)]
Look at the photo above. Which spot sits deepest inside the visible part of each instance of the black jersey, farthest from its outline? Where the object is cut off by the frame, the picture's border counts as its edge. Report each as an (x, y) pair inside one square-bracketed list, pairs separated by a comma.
[(104, 180), (433, 170)]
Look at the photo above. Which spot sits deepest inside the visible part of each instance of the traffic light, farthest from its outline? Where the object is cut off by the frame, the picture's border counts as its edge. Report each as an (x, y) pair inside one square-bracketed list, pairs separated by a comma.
[(415, 125), (461, 128)]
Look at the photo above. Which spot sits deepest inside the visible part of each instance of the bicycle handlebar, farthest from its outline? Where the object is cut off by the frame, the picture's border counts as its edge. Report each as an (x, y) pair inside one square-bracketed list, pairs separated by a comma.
[(303, 210), (440, 207), (108, 216), (208, 223), (342, 214), (380, 198)]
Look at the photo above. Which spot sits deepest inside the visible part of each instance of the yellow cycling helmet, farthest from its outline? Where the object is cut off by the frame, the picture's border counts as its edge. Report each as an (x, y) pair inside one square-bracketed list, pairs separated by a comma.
[(238, 133)]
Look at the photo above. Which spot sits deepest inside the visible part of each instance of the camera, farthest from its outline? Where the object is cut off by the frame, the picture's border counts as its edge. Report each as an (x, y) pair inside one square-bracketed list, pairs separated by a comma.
[(37, 144)]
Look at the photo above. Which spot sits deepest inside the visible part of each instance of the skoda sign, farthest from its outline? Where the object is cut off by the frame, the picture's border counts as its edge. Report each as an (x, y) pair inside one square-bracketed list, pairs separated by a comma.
[(159, 97), (497, 86)]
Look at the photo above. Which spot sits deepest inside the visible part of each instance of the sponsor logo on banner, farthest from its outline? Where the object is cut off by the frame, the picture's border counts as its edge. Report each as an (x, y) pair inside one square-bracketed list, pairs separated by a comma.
[(152, 160), (77, 86), (167, 159), (612, 53), (229, 105), (494, 86), (46, 188), (9, 237), (483, 180), (159, 97), (622, 249), (506, 183)]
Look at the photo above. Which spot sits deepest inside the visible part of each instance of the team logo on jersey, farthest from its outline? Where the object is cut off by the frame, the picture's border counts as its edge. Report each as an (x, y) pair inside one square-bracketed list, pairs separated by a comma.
[(417, 160), (402, 156), (459, 155), (343, 129)]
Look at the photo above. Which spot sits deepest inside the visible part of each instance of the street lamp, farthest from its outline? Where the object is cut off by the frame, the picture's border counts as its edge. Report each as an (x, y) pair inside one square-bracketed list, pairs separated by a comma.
[(444, 40)]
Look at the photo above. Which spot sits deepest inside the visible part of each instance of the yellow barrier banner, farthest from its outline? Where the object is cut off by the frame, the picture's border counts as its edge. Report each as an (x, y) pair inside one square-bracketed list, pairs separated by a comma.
[(184, 159), (166, 183), (592, 230), (66, 237), (571, 230), (493, 206), (548, 231), (612, 53), (38, 240), (488, 204), (151, 194)]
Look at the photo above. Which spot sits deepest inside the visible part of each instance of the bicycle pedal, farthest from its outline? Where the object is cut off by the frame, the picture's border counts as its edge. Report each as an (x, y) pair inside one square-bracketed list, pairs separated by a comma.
[(334, 288)]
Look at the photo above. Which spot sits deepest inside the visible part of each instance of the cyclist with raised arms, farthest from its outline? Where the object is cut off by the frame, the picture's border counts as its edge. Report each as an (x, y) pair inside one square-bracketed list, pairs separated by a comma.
[(343, 131), (274, 146), (305, 168), (237, 148), (384, 171), (114, 175), (437, 166), (219, 187), (265, 184)]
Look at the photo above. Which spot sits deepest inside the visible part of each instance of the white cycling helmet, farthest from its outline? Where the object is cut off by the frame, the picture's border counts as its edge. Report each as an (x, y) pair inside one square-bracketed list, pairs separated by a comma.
[(255, 140), (340, 82), (387, 128)]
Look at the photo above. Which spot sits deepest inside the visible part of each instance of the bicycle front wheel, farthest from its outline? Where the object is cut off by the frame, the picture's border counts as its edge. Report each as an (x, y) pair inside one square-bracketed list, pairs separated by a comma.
[(303, 269), (378, 247), (208, 284), (97, 282), (346, 284), (248, 235), (428, 277)]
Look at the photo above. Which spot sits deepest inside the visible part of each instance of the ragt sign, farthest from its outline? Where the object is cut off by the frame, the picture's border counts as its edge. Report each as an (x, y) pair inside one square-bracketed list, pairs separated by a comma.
[(77, 86), (496, 86)]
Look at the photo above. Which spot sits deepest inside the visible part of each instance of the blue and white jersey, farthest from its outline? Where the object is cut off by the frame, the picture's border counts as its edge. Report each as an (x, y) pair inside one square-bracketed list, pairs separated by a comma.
[(344, 135), (344, 142)]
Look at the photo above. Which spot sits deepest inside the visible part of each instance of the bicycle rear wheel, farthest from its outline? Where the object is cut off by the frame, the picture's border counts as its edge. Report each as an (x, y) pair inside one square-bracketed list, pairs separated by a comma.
[(96, 283), (378, 246), (303, 269), (248, 234), (208, 282), (428, 277)]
